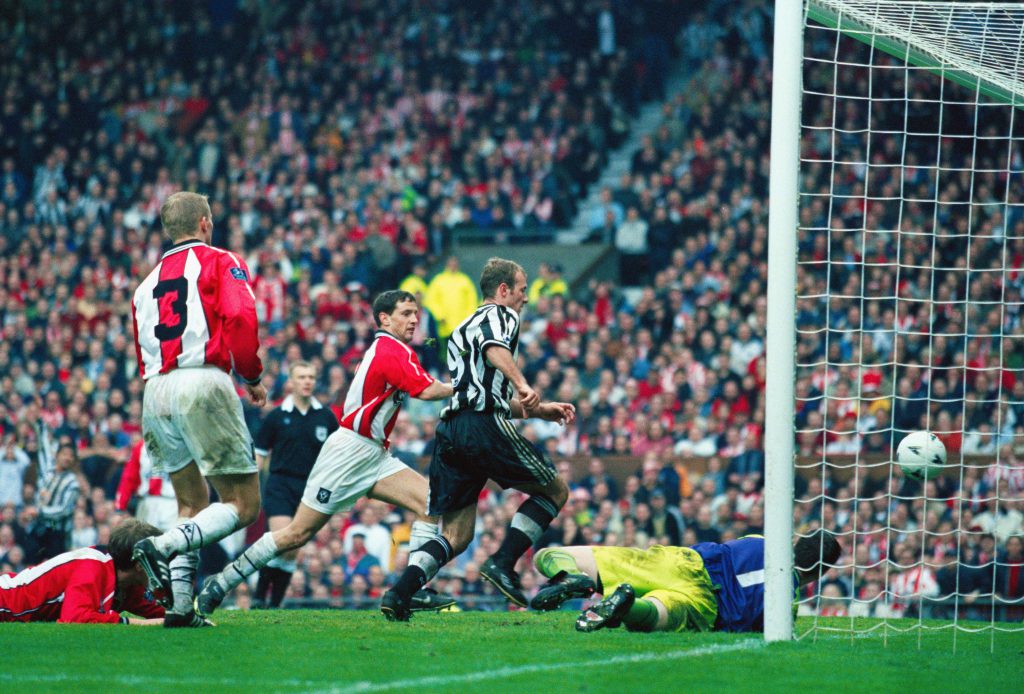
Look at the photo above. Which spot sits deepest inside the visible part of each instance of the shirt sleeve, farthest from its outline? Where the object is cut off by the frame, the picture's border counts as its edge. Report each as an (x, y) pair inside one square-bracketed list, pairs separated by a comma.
[(266, 434), (501, 328), (237, 305), (138, 602), (403, 371), (89, 594), (131, 478)]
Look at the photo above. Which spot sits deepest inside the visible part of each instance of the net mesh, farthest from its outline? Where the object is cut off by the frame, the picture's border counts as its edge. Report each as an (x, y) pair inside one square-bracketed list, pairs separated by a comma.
[(909, 278)]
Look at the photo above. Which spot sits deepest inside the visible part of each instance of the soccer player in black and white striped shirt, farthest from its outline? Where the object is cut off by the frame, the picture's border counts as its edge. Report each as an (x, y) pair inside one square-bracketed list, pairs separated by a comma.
[(476, 441)]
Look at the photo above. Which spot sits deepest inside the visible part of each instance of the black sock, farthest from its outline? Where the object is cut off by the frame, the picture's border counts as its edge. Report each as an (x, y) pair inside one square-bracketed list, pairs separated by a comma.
[(529, 523), (424, 564), (263, 584), (279, 587)]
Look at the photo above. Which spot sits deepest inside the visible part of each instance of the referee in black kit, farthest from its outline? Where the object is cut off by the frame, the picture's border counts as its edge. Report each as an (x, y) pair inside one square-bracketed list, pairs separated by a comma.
[(476, 441), (291, 437)]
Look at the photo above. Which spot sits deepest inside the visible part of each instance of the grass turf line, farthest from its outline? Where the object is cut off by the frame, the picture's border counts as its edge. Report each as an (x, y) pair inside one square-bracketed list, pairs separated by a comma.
[(336, 651)]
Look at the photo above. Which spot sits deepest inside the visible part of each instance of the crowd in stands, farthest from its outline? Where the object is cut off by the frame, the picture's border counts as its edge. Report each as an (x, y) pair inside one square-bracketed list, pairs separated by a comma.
[(341, 144)]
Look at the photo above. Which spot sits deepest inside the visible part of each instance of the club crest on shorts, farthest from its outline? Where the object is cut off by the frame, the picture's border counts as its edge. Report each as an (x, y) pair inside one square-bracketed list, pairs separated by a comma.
[(323, 496), (321, 434)]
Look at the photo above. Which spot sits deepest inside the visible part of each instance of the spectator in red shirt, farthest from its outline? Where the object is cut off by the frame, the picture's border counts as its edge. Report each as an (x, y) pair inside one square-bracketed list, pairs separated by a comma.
[(87, 585)]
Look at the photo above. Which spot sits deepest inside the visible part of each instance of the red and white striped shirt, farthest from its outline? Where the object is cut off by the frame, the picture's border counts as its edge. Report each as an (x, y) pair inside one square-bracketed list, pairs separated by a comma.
[(138, 477), (196, 307), (77, 586), (389, 371)]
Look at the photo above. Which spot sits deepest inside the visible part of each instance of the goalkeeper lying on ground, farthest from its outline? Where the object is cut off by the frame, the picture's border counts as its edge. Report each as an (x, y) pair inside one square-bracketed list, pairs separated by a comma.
[(707, 587)]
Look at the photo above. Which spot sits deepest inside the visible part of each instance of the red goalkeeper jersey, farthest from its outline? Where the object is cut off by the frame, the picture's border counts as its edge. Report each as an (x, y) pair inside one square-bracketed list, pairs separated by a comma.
[(78, 586), (196, 307)]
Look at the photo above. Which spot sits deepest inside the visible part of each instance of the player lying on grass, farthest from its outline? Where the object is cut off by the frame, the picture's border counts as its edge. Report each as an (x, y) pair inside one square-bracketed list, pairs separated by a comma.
[(707, 587), (92, 584), (354, 461)]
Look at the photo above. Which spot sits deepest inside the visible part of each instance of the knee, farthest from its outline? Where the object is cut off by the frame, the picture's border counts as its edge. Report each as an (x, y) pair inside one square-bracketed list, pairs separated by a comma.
[(247, 513), (247, 505), (558, 492), (188, 507), (459, 542), (459, 547)]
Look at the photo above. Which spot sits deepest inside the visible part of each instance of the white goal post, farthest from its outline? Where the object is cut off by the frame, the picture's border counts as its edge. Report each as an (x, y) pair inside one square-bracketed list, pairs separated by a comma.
[(895, 276)]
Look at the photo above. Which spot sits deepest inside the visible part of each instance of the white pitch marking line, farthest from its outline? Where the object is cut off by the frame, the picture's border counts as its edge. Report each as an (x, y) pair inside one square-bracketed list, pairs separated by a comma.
[(364, 686), (143, 680), (512, 671)]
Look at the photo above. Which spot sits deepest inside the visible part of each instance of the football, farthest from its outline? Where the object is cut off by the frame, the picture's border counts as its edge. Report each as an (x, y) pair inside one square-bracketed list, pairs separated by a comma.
[(921, 455)]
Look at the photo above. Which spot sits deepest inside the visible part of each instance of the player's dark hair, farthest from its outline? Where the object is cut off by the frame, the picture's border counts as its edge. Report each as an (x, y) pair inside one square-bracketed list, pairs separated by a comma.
[(813, 553), (387, 301), (497, 272), (123, 539), (76, 465)]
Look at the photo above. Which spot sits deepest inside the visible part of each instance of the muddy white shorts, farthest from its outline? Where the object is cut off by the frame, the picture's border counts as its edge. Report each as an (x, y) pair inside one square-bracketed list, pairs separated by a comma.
[(346, 469), (158, 511), (195, 414)]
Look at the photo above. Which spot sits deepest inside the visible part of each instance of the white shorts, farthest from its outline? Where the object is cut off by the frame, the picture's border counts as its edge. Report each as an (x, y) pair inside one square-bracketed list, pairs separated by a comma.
[(195, 414), (158, 511), (346, 470)]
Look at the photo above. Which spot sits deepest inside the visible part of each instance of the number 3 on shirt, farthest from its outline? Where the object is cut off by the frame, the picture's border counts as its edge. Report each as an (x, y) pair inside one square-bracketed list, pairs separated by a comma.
[(171, 296)]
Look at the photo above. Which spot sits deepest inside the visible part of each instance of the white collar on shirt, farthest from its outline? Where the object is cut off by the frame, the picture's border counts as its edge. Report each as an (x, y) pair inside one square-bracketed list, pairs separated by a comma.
[(289, 404)]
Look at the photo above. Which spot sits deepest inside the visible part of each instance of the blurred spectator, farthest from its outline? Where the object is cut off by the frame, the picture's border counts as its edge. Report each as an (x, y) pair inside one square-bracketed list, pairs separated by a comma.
[(548, 283), (58, 494), (451, 296), (13, 464)]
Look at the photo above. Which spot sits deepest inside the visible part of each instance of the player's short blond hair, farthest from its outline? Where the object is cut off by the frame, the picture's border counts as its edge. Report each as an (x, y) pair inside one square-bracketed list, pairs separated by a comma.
[(300, 364), (181, 212), (496, 272)]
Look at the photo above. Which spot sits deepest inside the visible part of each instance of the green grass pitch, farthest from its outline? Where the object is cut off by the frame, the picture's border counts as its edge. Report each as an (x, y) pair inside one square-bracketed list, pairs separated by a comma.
[(335, 651)]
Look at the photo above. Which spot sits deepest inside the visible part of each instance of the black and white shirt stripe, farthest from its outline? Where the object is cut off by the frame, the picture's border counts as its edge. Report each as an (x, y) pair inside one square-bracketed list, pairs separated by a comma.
[(63, 491), (479, 385)]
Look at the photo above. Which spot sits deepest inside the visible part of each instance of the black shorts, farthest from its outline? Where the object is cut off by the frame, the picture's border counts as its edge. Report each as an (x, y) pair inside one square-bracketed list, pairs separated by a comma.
[(282, 494), (473, 447)]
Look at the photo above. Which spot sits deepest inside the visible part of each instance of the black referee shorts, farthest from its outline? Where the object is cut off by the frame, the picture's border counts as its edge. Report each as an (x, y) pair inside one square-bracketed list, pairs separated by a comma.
[(282, 494), (472, 447)]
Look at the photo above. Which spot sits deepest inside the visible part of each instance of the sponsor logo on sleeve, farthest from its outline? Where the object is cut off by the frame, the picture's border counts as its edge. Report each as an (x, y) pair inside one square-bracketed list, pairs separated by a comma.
[(239, 274)]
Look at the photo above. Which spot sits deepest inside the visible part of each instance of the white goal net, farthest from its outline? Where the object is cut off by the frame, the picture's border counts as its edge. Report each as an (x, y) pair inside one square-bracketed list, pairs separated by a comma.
[(909, 282)]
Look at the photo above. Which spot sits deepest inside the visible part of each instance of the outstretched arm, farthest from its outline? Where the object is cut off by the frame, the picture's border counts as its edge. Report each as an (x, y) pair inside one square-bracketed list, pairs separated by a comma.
[(436, 391), (562, 412)]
